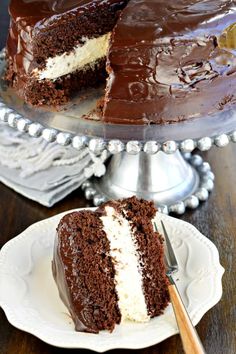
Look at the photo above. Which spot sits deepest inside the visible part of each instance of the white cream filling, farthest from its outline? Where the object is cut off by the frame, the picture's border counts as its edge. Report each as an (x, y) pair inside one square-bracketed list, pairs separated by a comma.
[(64, 64), (128, 278)]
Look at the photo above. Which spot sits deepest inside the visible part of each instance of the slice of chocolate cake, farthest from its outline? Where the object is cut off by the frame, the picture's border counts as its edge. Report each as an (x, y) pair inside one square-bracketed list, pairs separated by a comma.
[(167, 61), (56, 47), (109, 265)]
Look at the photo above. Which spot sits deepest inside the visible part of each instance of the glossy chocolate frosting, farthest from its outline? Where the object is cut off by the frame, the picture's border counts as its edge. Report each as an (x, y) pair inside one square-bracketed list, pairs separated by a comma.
[(171, 61), (41, 13)]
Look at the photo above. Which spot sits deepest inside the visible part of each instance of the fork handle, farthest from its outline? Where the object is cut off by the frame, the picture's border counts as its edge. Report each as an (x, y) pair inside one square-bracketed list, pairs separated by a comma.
[(191, 342)]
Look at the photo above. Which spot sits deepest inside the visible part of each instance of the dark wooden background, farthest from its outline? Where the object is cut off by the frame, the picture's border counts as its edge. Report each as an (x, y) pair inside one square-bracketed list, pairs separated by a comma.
[(216, 219)]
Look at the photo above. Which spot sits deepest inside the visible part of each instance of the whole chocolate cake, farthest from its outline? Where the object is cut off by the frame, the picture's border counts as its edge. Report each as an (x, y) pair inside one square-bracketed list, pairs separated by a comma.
[(109, 265), (167, 61)]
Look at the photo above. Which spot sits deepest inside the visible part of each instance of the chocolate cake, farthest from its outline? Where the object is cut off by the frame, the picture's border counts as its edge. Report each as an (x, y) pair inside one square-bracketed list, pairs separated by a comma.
[(56, 47), (171, 60), (109, 266), (167, 61)]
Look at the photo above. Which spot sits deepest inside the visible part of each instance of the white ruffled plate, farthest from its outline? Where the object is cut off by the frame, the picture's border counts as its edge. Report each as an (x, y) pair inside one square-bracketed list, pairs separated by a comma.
[(30, 299)]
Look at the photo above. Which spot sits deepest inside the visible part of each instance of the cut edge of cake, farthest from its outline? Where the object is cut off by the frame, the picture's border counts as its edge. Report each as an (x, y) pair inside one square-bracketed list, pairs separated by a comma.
[(52, 58)]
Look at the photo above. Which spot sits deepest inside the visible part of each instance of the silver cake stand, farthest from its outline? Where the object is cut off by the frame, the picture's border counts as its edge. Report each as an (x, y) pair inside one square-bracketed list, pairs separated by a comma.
[(151, 161)]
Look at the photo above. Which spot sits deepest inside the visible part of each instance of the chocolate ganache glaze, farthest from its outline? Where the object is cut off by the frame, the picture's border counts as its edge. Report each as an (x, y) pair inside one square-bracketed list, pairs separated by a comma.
[(171, 60), (40, 13)]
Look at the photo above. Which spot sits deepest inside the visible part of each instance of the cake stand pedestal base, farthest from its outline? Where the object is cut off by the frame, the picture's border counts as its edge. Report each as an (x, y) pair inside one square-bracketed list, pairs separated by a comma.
[(174, 182)]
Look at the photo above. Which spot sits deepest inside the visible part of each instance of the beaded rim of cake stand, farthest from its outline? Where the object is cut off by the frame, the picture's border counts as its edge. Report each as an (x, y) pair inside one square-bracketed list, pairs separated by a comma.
[(206, 185), (96, 145)]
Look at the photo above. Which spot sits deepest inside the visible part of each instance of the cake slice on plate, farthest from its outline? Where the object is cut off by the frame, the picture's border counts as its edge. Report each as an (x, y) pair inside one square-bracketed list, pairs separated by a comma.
[(109, 265)]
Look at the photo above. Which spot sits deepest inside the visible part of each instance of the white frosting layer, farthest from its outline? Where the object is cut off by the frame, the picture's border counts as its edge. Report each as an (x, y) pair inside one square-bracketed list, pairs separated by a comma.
[(128, 276), (64, 64)]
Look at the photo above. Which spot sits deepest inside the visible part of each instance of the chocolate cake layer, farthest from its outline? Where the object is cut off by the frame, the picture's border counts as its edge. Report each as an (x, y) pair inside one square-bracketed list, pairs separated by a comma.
[(57, 92), (171, 60), (43, 30), (84, 272)]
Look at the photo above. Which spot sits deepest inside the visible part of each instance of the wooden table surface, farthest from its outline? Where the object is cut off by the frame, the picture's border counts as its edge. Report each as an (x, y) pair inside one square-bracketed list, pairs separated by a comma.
[(215, 218)]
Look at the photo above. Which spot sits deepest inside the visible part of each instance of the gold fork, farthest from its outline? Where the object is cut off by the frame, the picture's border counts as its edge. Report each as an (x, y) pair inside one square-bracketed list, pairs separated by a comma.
[(190, 339)]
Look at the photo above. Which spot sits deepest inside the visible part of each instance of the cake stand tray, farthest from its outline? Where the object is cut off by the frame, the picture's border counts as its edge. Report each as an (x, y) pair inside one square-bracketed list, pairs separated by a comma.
[(150, 161)]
